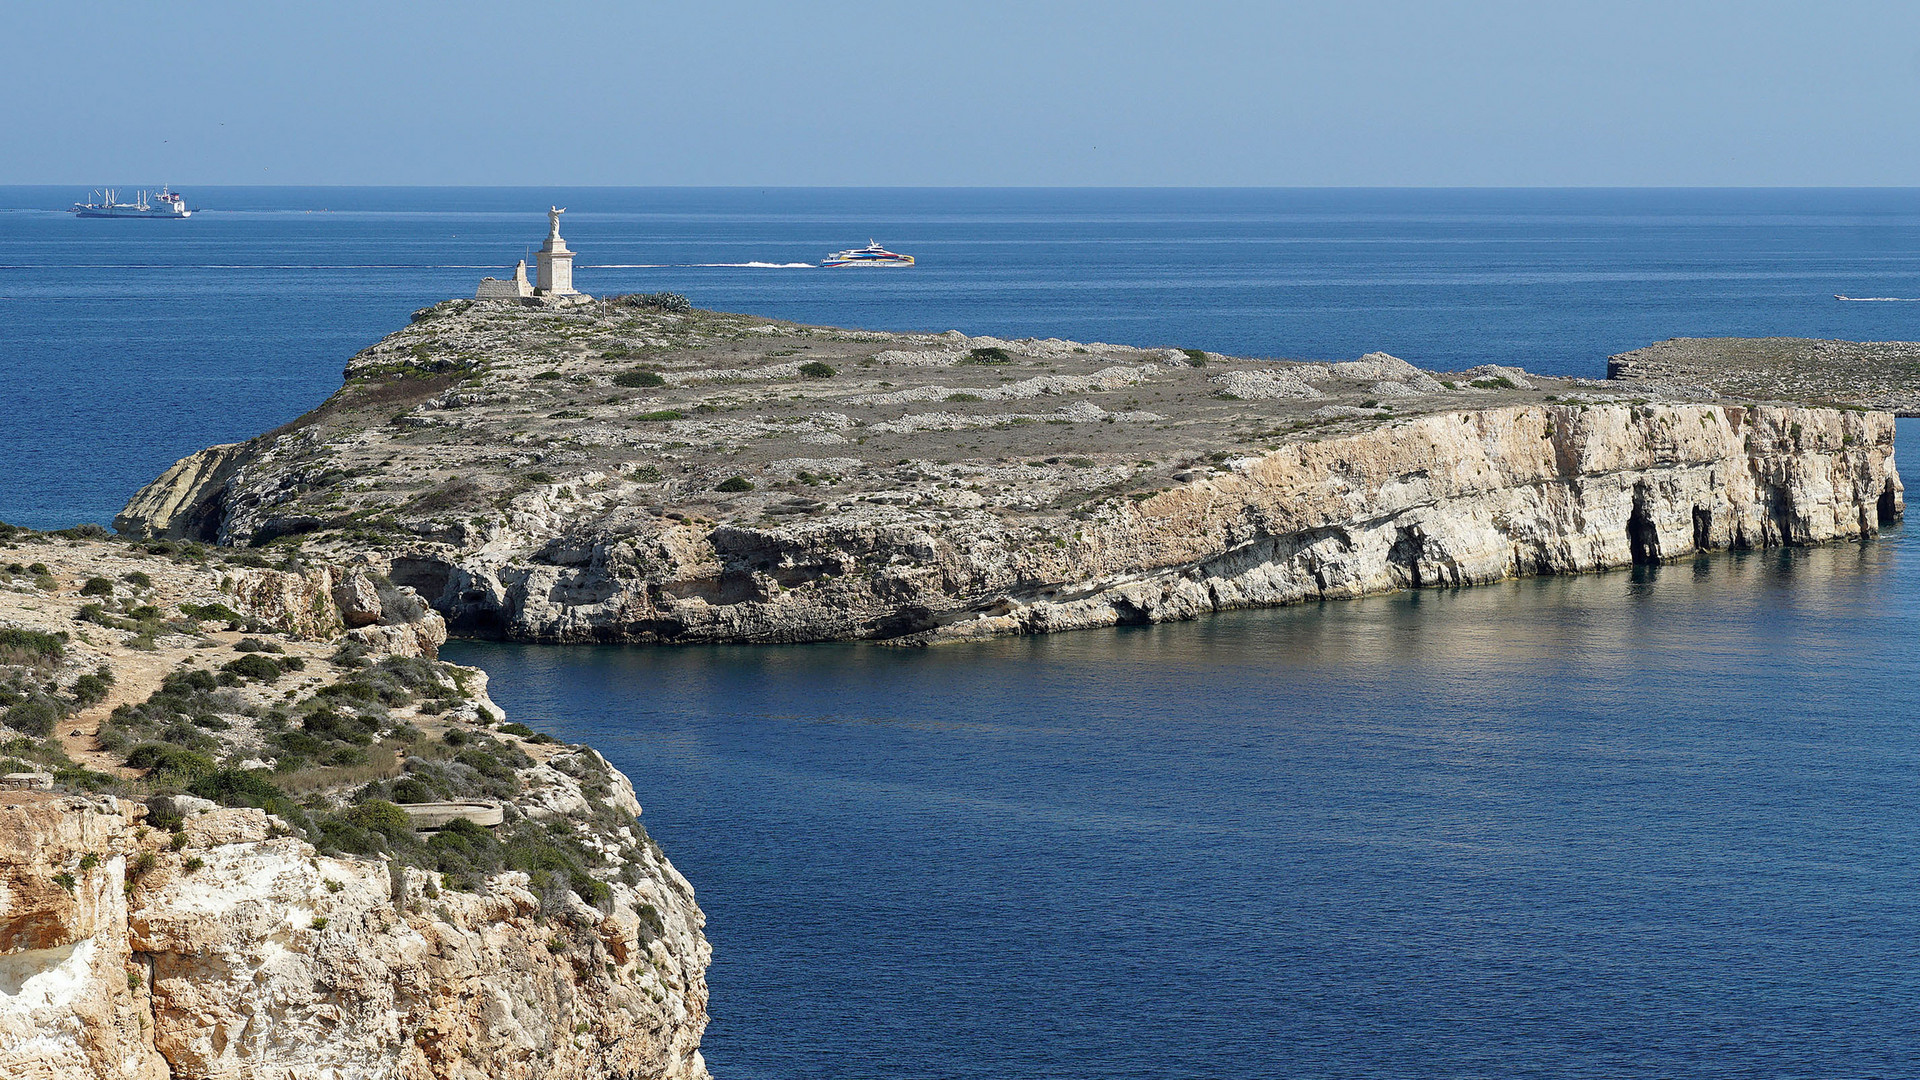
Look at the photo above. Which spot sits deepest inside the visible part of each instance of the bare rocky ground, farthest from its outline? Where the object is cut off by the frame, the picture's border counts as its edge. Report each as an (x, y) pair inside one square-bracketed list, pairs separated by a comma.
[(1860, 374), (634, 469), (479, 410), (209, 761)]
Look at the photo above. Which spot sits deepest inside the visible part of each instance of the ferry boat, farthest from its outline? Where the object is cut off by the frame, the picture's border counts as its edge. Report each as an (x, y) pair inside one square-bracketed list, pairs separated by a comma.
[(166, 204), (871, 255)]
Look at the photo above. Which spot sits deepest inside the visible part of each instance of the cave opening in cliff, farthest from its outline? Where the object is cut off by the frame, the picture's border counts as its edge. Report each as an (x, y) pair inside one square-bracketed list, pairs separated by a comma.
[(1702, 528), (1889, 505), (1404, 557), (1643, 539)]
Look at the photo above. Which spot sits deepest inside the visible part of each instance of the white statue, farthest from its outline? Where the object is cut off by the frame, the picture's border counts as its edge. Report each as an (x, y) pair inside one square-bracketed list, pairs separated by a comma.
[(553, 221)]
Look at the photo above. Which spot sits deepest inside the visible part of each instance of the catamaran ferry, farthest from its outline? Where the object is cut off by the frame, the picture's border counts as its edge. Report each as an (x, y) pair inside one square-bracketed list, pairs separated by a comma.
[(871, 255), (167, 204)]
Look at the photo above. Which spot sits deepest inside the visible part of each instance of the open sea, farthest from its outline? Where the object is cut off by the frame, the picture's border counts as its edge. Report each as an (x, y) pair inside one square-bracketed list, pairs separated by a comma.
[(1657, 822)]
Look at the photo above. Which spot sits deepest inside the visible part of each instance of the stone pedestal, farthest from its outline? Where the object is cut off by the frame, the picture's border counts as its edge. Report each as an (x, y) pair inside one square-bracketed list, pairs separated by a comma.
[(555, 261)]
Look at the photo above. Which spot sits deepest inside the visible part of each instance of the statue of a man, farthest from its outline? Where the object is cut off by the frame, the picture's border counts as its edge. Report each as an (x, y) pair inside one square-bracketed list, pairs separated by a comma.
[(553, 221)]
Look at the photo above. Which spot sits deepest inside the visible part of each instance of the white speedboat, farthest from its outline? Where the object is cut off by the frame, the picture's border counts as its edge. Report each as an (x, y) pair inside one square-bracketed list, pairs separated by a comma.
[(871, 255)]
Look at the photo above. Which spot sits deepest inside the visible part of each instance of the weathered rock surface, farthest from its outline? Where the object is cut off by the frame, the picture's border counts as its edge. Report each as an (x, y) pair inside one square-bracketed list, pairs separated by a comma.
[(179, 939), (1869, 374), (246, 954), (180, 496), (1162, 485)]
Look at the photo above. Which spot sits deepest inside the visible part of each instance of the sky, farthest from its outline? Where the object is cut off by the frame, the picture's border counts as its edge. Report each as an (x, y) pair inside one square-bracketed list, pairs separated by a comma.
[(981, 93)]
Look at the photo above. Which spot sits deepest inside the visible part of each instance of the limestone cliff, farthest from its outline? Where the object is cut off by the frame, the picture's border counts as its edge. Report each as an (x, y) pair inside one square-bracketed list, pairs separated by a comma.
[(725, 491), (242, 952), (250, 827)]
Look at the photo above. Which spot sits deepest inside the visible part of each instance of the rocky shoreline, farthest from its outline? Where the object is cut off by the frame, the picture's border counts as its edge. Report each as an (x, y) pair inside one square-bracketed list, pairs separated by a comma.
[(636, 471), (254, 827)]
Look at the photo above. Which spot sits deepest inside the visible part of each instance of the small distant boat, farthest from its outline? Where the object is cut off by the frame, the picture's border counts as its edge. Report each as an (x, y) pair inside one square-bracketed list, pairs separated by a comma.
[(1878, 299), (166, 204), (871, 255)]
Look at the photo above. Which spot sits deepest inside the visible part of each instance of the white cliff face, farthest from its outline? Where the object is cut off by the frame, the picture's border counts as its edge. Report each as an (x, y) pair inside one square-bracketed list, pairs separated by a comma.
[(245, 954), (1445, 499), (621, 473)]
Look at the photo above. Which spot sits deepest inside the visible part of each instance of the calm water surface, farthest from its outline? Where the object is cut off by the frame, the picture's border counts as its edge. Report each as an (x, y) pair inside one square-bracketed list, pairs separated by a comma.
[(126, 345), (1659, 822)]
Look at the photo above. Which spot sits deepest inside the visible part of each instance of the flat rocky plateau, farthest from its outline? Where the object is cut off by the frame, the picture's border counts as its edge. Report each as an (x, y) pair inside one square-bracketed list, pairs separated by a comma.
[(635, 470), (1867, 374)]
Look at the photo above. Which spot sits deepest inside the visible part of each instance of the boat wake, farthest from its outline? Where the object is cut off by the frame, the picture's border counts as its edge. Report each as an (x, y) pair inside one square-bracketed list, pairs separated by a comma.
[(702, 266), (1878, 299)]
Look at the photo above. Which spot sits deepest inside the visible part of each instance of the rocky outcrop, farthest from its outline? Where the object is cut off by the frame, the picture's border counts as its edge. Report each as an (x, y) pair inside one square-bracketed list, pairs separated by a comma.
[(759, 481), (1443, 500), (73, 998), (243, 953), (183, 501), (322, 602)]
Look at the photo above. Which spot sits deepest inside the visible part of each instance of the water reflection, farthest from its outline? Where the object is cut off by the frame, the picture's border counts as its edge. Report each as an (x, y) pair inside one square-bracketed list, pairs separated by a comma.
[(1567, 826)]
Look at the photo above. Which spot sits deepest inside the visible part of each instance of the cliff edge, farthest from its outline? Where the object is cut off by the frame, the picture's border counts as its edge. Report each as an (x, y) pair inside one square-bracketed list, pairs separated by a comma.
[(251, 827), (633, 471)]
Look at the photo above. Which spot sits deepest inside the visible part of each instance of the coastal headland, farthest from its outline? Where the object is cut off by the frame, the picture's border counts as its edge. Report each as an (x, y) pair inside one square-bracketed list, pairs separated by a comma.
[(634, 469), (256, 827), (250, 826)]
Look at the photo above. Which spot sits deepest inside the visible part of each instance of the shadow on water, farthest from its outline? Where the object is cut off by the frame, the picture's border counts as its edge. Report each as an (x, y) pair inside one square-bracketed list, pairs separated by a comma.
[(1565, 826)]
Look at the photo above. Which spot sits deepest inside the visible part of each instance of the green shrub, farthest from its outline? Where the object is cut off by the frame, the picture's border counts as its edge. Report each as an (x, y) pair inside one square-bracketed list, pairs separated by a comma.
[(254, 644), (90, 689), (382, 817), (97, 586), (238, 787), (734, 484), (816, 369), (254, 666), (1195, 357), (36, 716), (517, 729), (33, 642), (408, 789), (165, 762), (965, 397), (988, 354), (660, 301), (1498, 382), (662, 415), (639, 377), (213, 613), (545, 375)]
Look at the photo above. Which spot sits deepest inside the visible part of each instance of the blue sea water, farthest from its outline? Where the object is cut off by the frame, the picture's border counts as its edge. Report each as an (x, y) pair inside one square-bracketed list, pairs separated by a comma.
[(1659, 822), (128, 344)]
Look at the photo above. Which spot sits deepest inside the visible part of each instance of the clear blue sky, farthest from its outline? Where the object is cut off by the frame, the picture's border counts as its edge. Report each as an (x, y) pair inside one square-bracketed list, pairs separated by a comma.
[(848, 92)]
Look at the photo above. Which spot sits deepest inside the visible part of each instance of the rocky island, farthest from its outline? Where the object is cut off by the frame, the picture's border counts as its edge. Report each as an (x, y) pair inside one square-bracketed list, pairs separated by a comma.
[(256, 828), (634, 469)]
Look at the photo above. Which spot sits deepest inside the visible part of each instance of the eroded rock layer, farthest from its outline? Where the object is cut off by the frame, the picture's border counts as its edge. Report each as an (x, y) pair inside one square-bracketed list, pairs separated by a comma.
[(722, 489)]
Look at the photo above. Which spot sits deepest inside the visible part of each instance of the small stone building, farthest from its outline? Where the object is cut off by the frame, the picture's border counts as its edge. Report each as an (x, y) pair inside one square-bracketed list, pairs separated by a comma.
[(515, 288)]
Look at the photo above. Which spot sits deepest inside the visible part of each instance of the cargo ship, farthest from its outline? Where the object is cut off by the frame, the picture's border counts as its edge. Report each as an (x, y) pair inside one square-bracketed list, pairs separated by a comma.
[(166, 204), (871, 255)]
